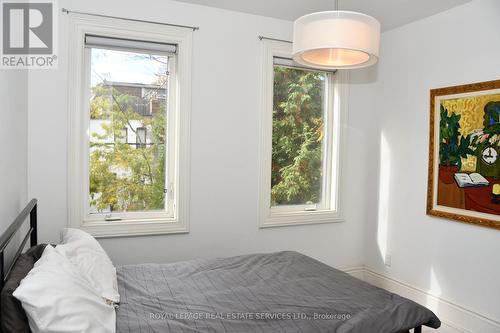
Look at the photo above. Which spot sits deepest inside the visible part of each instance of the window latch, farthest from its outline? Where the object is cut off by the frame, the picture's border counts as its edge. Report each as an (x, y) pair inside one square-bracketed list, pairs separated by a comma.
[(108, 217)]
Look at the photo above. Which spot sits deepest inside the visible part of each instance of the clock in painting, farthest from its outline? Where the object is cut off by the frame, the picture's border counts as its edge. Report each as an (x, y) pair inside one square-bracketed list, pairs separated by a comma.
[(488, 164), (489, 155)]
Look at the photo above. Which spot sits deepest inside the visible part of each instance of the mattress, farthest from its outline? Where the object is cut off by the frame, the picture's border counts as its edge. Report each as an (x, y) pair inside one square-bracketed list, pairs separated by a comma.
[(277, 292)]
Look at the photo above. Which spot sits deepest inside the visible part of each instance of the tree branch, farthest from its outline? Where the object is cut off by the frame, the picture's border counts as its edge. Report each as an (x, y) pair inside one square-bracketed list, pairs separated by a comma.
[(135, 131)]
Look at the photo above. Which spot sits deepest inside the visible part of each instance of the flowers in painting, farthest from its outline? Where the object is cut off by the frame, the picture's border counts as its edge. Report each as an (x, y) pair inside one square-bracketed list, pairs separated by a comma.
[(479, 136)]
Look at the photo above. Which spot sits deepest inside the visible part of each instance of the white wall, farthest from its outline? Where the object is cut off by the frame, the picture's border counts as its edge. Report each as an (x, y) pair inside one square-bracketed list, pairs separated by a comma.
[(457, 262), (224, 152), (385, 170), (13, 144)]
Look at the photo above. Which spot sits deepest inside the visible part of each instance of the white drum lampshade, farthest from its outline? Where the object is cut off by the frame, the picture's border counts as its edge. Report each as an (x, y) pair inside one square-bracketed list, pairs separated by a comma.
[(336, 40)]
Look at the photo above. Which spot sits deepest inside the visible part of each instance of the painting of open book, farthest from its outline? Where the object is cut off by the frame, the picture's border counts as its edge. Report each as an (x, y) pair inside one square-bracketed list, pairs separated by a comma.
[(464, 161), (470, 180)]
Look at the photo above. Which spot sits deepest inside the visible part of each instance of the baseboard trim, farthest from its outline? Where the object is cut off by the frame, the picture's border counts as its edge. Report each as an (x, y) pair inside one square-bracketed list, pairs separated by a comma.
[(456, 316), (357, 272)]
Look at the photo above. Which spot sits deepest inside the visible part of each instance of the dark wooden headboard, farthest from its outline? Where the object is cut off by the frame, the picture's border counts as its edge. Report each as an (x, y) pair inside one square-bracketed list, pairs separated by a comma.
[(8, 235)]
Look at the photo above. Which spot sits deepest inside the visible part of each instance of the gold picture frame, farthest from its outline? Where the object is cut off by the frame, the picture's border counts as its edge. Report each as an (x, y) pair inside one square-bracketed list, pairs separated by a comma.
[(463, 123)]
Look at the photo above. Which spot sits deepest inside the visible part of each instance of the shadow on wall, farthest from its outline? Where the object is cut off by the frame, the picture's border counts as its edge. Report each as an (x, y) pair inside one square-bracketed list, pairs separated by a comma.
[(383, 197), (365, 76), (385, 223)]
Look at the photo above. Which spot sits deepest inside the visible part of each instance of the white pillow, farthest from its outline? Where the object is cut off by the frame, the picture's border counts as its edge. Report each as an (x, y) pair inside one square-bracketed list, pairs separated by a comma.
[(58, 299), (85, 252)]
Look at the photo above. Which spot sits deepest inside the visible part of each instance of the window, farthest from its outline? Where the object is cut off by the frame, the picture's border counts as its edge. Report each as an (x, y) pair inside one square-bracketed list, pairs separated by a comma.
[(122, 179), (140, 133), (300, 141), (121, 136), (129, 81)]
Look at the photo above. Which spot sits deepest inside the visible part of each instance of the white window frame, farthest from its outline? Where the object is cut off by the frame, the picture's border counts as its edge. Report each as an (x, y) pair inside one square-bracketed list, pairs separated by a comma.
[(176, 217), (330, 209)]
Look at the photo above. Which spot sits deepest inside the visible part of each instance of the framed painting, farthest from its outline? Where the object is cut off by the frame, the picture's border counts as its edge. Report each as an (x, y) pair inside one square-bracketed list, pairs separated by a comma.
[(464, 154)]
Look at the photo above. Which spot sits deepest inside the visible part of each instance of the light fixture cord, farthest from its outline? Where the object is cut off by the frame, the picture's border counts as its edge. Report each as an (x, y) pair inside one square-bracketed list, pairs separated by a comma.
[(336, 4)]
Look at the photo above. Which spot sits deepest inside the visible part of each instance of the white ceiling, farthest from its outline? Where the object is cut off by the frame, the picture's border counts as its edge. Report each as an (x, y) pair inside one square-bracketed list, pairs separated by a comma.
[(390, 13)]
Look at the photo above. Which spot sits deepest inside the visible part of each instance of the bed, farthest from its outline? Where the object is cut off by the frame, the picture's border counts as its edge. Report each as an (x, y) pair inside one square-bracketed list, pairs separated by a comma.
[(277, 292)]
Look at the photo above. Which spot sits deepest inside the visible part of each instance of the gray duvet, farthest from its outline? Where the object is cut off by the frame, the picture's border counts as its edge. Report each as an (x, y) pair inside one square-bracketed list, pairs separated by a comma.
[(278, 292)]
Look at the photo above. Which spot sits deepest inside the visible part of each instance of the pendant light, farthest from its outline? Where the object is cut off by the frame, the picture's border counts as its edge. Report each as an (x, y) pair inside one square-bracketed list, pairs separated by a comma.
[(336, 39)]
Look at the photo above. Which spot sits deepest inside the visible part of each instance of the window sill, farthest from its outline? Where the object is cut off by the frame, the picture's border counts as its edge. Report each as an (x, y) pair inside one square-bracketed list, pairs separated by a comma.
[(133, 228), (300, 218)]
